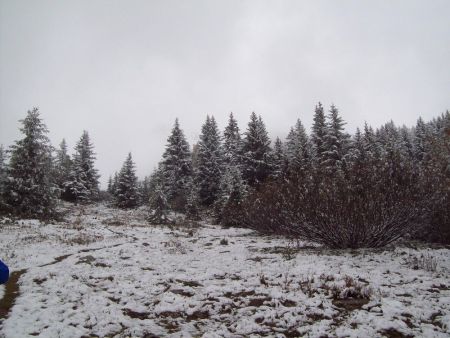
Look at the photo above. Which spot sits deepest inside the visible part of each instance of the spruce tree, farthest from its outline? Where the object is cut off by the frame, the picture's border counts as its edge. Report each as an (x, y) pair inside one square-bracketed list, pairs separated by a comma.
[(63, 165), (420, 140), (192, 203), (144, 190), (210, 163), (298, 149), (319, 132), (82, 185), (109, 188), (114, 184), (30, 190), (127, 195), (279, 160), (176, 169), (228, 207), (3, 176), (336, 143), (231, 142), (158, 201), (256, 152)]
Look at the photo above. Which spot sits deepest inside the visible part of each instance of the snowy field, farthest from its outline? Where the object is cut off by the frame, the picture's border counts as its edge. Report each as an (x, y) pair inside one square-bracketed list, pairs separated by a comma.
[(106, 273)]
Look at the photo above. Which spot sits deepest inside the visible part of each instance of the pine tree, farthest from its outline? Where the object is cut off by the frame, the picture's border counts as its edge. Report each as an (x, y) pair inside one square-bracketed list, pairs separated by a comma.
[(210, 162), (109, 188), (228, 207), (127, 195), (420, 140), (231, 142), (82, 185), (115, 184), (256, 152), (176, 168), (30, 190), (279, 160), (63, 165), (319, 132), (192, 204), (298, 149), (3, 177), (158, 201), (336, 143), (144, 190)]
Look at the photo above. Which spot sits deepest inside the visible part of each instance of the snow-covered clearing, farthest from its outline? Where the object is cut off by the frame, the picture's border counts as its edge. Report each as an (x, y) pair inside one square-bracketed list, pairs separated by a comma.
[(107, 273)]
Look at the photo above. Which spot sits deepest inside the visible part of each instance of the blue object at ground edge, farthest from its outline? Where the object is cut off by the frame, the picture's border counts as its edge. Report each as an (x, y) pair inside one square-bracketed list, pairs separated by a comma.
[(4, 273)]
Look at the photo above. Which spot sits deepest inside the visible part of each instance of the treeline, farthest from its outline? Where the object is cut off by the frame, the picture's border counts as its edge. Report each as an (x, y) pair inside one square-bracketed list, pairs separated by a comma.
[(366, 189)]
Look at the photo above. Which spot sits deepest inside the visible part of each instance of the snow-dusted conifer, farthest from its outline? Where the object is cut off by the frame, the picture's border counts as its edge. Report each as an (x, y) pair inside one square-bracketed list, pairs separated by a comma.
[(176, 168), (279, 160), (336, 143), (210, 162), (63, 165), (3, 176), (192, 203), (319, 132), (158, 201), (144, 190), (228, 208), (256, 152), (298, 149), (82, 185), (30, 188), (109, 188), (127, 195), (420, 140), (231, 142)]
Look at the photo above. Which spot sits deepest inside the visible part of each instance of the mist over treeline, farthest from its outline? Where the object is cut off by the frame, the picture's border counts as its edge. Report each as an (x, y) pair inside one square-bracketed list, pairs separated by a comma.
[(368, 189)]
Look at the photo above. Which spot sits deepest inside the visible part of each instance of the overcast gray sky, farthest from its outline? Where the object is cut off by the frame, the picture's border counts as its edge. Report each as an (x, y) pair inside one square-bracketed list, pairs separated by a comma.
[(123, 70)]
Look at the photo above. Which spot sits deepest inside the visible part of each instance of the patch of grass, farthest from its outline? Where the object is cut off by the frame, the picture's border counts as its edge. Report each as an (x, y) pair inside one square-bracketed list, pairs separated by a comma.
[(174, 246), (134, 314), (424, 261), (191, 283)]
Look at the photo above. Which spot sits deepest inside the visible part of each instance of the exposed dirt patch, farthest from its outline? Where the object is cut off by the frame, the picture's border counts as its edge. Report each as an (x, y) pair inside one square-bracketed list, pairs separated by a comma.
[(134, 314), (191, 283), (350, 304), (182, 292), (11, 293), (288, 303), (239, 294), (393, 333), (258, 301), (197, 315)]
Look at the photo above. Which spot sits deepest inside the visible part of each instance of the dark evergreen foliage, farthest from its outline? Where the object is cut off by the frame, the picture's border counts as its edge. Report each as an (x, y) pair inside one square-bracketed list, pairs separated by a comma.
[(209, 163), (63, 165), (30, 189), (232, 143), (126, 192), (82, 185), (256, 152), (176, 169)]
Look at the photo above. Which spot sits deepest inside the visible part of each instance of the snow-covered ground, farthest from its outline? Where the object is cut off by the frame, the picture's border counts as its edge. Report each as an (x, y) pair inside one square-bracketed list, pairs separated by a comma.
[(107, 273)]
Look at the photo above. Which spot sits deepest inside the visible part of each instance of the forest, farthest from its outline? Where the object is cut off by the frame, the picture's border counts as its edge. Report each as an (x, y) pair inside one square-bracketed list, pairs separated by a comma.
[(368, 189)]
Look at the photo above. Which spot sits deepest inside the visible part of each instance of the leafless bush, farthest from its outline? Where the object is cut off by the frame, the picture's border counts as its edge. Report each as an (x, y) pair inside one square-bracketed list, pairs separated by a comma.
[(336, 212)]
